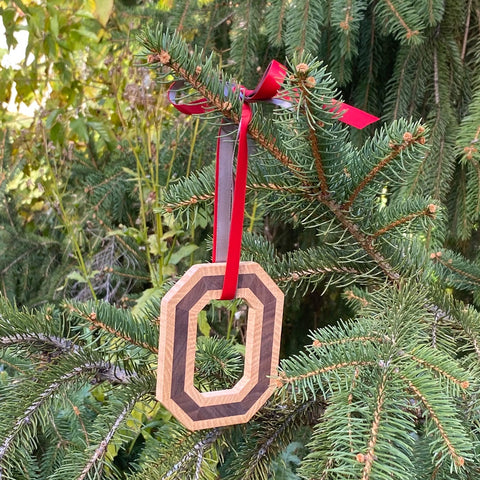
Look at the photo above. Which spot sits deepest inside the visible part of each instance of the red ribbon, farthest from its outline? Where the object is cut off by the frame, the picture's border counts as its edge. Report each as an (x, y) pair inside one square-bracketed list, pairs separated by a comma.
[(228, 216)]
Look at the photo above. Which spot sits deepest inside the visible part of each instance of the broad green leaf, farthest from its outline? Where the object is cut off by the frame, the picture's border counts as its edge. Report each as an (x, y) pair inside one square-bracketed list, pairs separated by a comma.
[(103, 11), (203, 324), (156, 247), (76, 276), (182, 253), (78, 126), (52, 117), (147, 295)]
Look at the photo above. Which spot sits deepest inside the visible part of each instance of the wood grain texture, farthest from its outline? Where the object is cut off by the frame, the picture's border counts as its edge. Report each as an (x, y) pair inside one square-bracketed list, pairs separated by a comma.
[(177, 345)]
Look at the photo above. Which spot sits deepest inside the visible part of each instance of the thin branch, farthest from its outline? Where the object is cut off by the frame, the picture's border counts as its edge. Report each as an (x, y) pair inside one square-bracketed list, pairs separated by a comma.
[(263, 447), (467, 29), (318, 161), (301, 43), (123, 336), (11, 365), (443, 373), (329, 464), (101, 449), (78, 414), (18, 259), (437, 257), (194, 199), (351, 296), (369, 457), (365, 241), (403, 73), (170, 207), (301, 274), (200, 446), (92, 318), (472, 335), (409, 32), (283, 379), (350, 400), (185, 11), (312, 136), (397, 149), (429, 212), (318, 344), (459, 460), (34, 338), (435, 77), (278, 36)]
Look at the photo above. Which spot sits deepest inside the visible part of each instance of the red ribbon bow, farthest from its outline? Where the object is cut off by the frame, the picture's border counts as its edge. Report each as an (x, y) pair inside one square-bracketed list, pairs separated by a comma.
[(228, 217)]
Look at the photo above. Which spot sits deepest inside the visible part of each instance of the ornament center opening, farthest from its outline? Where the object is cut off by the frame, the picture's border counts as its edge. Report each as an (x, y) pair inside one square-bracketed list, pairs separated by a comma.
[(220, 348)]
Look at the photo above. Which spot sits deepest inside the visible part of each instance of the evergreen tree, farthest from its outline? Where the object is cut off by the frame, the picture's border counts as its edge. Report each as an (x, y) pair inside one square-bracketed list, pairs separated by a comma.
[(387, 217)]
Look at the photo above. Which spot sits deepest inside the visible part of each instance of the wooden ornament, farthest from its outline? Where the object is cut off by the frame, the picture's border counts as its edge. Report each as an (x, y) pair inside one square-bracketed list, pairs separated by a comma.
[(178, 332)]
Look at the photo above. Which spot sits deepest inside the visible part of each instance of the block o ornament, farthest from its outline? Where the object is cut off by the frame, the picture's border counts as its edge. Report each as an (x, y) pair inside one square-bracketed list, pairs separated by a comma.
[(178, 333)]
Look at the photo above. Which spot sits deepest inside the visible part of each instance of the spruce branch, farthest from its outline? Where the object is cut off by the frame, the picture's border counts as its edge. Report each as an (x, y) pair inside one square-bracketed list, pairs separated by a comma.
[(474, 338), (448, 264), (5, 362), (193, 200), (353, 384), (318, 162), (467, 30), (305, 84), (274, 431), (410, 34), (369, 457), (364, 240), (102, 447), (439, 371), (184, 14), (196, 451), (275, 20), (219, 104), (409, 140), (120, 323), (458, 459), (207, 197), (162, 56), (98, 324), (427, 212), (283, 379), (62, 344), (303, 31), (299, 275), (353, 297), (92, 318), (342, 341), (467, 317), (45, 397)]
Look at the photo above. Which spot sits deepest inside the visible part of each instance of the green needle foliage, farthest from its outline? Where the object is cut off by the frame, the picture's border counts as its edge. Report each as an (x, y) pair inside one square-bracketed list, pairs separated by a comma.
[(381, 222)]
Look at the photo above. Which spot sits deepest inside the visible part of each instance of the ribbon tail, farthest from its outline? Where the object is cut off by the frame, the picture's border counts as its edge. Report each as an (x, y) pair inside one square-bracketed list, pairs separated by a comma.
[(353, 116), (238, 209)]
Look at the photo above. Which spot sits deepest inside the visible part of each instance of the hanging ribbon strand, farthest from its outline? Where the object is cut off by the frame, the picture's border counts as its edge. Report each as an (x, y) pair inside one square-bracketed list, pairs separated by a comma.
[(229, 205)]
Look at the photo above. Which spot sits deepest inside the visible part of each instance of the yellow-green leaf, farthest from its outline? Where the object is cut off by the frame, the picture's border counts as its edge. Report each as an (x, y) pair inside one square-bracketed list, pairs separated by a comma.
[(103, 11), (203, 324)]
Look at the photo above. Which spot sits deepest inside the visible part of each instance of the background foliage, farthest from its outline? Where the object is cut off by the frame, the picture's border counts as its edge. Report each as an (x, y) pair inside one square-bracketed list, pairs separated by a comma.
[(107, 199)]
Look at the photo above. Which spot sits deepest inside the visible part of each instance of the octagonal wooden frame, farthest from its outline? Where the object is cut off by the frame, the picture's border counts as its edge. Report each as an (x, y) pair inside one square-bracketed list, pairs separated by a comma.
[(177, 345)]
